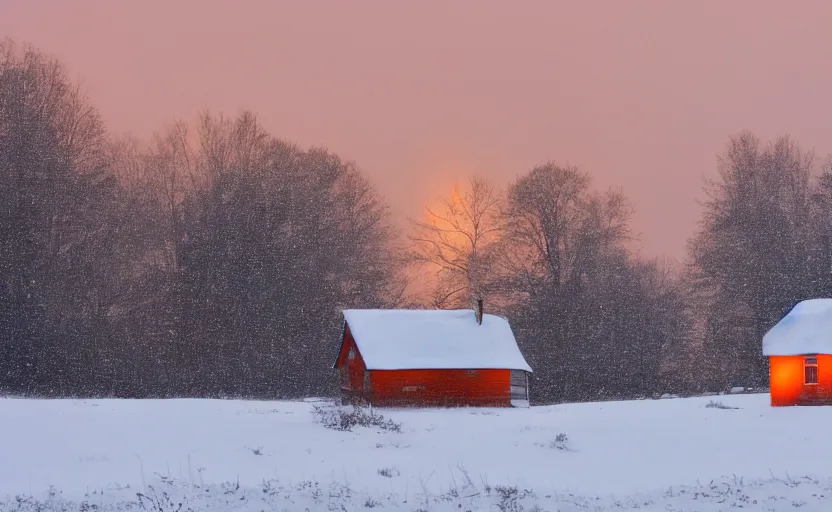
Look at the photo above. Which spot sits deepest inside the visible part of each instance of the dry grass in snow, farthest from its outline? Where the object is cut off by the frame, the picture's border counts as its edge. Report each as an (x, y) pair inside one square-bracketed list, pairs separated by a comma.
[(692, 454)]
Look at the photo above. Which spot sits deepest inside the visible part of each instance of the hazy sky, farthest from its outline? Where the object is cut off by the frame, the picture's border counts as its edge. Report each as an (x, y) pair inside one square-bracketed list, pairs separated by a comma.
[(642, 94)]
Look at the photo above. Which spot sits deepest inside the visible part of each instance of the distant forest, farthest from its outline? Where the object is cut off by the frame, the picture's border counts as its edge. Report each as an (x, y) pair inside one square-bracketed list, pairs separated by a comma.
[(214, 259)]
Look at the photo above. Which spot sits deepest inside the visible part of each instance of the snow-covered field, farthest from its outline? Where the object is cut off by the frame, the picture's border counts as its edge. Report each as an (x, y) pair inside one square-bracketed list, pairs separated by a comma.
[(664, 455)]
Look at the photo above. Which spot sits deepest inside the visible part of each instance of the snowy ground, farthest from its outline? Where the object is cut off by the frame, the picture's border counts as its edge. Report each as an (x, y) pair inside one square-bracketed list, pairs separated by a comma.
[(665, 455)]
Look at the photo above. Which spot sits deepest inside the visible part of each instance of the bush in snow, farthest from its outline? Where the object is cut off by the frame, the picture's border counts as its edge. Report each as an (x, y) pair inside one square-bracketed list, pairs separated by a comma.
[(560, 442), (718, 405), (155, 502), (388, 472), (338, 418), (510, 498)]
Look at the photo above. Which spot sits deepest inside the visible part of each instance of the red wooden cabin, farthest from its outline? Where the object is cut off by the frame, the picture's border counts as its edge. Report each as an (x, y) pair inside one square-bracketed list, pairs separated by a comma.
[(799, 348), (431, 358)]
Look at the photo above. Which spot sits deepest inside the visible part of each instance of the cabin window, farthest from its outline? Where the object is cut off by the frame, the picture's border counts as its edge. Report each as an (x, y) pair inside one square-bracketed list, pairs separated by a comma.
[(810, 370), (351, 355)]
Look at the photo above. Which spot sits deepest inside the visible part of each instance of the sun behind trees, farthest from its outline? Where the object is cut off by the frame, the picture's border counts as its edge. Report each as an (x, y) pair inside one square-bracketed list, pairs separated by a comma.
[(457, 243), (592, 319), (214, 260)]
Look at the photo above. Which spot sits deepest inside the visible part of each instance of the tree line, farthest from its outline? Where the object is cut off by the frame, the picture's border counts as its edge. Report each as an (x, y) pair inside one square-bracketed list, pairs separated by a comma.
[(214, 259)]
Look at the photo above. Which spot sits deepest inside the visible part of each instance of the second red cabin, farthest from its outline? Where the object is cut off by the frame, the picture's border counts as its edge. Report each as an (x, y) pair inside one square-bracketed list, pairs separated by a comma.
[(799, 348), (431, 358)]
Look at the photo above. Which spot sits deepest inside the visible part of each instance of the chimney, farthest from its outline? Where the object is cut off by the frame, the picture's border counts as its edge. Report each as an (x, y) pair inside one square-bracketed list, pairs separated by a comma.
[(479, 311)]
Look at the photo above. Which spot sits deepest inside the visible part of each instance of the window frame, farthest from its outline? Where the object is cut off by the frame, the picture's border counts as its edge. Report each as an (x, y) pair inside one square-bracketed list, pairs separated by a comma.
[(810, 366)]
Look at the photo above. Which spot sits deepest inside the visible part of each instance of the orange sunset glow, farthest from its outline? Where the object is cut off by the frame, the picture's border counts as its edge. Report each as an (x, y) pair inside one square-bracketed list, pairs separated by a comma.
[(641, 94)]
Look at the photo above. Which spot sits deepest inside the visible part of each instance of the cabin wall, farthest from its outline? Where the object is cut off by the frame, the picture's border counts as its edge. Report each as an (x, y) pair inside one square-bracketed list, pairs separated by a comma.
[(439, 388), (786, 379), (824, 386), (822, 391), (787, 376), (353, 373)]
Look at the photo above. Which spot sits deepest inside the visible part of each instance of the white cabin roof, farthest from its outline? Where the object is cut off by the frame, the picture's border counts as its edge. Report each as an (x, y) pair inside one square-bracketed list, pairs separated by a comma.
[(401, 339), (806, 329)]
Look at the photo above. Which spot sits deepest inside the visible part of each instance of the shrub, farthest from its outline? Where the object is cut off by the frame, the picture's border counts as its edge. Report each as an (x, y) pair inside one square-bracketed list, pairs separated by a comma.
[(560, 442), (341, 419), (718, 405), (389, 472)]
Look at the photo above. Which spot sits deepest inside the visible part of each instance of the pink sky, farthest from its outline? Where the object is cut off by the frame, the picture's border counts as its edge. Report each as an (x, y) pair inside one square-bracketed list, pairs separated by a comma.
[(642, 94)]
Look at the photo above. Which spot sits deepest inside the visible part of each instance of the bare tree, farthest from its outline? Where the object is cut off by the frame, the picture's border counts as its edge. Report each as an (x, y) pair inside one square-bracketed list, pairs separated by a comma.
[(822, 217), (56, 238), (752, 253), (202, 266), (457, 241), (593, 320), (277, 241), (171, 168), (555, 227)]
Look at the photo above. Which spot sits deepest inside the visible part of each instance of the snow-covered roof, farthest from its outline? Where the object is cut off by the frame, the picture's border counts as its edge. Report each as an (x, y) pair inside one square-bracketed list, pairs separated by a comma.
[(397, 339), (806, 329)]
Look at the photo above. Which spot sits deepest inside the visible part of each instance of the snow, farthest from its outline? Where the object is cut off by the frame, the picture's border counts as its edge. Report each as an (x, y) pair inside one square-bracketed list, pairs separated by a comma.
[(651, 455), (397, 339), (806, 329)]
